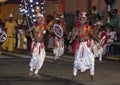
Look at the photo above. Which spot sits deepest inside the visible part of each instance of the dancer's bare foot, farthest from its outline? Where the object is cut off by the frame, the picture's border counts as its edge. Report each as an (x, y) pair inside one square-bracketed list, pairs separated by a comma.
[(31, 74), (92, 77), (101, 62), (37, 76), (56, 61), (73, 77)]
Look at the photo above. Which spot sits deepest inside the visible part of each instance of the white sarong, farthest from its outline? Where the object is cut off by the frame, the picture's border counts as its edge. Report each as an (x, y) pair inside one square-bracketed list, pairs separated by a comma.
[(38, 56), (84, 58), (59, 49)]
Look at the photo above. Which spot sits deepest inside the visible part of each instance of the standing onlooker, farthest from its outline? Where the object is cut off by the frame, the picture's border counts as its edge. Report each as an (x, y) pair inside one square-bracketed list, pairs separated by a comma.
[(94, 14), (116, 16), (112, 21), (49, 34), (50, 40), (112, 37), (96, 11), (77, 15), (21, 39)]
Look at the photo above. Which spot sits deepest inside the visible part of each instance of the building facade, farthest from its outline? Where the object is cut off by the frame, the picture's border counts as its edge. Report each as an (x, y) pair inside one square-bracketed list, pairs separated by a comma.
[(68, 6), (71, 5)]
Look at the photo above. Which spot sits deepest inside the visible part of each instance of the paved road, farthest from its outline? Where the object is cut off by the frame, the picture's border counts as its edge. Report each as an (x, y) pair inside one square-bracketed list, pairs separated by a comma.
[(14, 71)]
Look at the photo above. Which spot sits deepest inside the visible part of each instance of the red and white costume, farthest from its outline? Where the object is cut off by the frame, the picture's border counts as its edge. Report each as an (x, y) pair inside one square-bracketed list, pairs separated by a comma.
[(102, 44), (38, 56), (38, 48), (112, 37), (97, 49), (58, 49), (84, 58)]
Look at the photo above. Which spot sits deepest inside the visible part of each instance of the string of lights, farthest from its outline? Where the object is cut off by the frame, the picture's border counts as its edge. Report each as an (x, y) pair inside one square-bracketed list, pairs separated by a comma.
[(31, 8)]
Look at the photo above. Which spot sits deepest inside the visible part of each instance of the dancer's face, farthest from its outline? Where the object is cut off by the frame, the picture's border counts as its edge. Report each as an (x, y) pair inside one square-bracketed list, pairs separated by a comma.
[(39, 19), (83, 20), (10, 19)]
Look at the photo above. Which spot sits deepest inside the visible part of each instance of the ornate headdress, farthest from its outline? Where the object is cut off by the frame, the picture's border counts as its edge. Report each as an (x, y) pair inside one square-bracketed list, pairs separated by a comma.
[(40, 15), (11, 15), (83, 14)]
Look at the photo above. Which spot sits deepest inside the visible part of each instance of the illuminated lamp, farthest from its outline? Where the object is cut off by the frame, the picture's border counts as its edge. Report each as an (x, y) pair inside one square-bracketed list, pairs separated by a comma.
[(2, 1)]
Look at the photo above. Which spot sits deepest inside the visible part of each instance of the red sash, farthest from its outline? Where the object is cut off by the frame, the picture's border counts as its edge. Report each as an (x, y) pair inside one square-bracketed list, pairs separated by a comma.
[(34, 44), (83, 35)]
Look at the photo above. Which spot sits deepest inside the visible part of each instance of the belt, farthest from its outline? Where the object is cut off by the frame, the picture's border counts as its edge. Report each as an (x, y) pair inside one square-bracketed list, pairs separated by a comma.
[(83, 40), (10, 37)]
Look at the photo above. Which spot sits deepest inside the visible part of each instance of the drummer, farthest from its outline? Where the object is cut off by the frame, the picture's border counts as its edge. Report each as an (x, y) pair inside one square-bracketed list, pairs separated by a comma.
[(1, 30), (58, 49)]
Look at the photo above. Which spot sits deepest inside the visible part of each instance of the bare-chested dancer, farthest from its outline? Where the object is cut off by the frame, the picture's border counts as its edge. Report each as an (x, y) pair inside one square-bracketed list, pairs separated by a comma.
[(37, 46), (84, 58)]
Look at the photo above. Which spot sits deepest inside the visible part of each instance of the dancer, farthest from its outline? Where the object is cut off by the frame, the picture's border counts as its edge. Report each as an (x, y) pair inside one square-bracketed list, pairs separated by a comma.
[(58, 49), (84, 58), (37, 46), (97, 42), (103, 43)]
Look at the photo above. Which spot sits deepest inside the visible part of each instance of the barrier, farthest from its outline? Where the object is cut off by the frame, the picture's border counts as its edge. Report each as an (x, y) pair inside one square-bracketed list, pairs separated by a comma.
[(113, 48)]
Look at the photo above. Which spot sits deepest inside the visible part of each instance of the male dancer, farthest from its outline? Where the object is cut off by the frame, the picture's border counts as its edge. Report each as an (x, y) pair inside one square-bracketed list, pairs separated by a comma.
[(103, 43), (58, 41), (58, 48), (84, 58), (97, 42), (37, 46)]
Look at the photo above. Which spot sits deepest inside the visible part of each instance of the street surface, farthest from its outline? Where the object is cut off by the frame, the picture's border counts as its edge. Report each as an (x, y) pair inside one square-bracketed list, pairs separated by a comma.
[(14, 70)]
